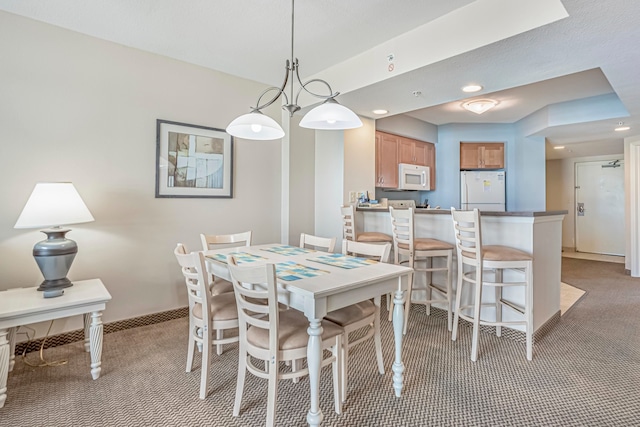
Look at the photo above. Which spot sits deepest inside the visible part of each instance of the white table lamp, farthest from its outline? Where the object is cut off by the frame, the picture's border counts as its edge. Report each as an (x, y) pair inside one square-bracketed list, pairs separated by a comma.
[(53, 204)]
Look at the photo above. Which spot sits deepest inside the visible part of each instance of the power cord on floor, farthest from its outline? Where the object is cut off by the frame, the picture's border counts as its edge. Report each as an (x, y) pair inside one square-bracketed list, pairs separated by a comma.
[(43, 362)]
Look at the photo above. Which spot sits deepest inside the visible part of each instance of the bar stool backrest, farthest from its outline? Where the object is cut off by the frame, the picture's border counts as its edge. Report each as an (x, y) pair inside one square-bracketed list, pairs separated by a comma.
[(468, 235)]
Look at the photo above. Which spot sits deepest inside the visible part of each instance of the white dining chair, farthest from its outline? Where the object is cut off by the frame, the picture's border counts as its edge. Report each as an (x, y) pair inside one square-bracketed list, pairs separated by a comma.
[(365, 314), (207, 312), (219, 241), (274, 336), (310, 241)]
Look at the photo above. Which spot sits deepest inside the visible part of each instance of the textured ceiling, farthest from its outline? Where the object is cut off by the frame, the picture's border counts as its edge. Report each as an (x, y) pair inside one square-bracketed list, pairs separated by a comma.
[(588, 54)]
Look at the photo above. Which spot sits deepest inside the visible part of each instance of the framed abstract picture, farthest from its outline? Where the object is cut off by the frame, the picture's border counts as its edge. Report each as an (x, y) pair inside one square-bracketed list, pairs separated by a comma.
[(193, 161)]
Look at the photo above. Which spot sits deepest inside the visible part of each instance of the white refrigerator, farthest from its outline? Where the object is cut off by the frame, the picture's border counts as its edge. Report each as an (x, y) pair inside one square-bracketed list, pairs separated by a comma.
[(484, 190)]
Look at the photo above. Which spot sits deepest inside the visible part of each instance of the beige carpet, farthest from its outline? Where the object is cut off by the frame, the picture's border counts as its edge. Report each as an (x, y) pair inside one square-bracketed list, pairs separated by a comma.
[(585, 372)]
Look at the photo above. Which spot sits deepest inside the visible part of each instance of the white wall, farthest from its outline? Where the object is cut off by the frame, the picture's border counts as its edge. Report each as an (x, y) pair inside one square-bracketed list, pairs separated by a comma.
[(300, 182), (329, 182), (74, 108), (632, 204), (555, 193), (359, 160), (409, 127)]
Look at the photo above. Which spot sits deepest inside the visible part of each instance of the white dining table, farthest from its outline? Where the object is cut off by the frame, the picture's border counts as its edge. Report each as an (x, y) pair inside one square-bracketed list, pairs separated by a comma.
[(333, 288)]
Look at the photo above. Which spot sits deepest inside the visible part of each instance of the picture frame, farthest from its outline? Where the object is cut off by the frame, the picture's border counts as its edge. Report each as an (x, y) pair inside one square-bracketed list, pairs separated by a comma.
[(193, 161)]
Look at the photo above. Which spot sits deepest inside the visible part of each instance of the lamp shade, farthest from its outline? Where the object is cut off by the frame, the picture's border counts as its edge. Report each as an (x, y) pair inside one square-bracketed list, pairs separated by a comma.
[(52, 204), (255, 125), (330, 116)]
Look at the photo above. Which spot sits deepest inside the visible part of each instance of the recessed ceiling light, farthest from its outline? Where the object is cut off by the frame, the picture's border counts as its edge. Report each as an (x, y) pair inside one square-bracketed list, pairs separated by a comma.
[(471, 88), (621, 127), (380, 111), (559, 147), (480, 106)]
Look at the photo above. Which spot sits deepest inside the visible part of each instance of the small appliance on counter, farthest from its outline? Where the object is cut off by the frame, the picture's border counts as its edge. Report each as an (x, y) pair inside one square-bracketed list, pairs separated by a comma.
[(402, 204), (366, 202)]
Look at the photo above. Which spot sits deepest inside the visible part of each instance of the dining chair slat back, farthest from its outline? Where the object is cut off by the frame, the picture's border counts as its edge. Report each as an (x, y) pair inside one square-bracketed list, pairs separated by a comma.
[(210, 241), (273, 335), (207, 312), (220, 241), (310, 241)]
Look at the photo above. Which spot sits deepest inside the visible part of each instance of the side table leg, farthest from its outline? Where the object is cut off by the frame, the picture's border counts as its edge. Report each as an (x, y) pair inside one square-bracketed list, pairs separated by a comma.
[(314, 360), (96, 343), (398, 325), (4, 365), (87, 331), (12, 348)]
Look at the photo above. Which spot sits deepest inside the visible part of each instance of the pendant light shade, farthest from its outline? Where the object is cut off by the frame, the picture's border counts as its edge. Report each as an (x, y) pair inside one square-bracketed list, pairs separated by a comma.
[(330, 115), (255, 125), (327, 116)]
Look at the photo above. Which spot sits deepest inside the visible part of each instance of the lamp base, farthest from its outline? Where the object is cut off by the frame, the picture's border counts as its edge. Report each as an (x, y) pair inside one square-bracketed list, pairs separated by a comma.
[(50, 285), (54, 257)]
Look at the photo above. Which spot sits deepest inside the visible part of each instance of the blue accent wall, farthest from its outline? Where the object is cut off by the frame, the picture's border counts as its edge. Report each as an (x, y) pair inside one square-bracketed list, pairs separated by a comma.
[(524, 160)]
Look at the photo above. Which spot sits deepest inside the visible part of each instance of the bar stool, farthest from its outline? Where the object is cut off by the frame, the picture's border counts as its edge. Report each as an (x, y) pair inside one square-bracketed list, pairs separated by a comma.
[(349, 229), (472, 253), (349, 233), (421, 249)]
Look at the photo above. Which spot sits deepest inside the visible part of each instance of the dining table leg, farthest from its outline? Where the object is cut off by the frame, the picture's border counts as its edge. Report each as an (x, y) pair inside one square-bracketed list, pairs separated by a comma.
[(398, 326), (314, 359)]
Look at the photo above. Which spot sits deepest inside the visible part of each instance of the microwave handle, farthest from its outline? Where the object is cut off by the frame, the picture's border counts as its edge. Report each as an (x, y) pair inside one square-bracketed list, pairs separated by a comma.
[(424, 178)]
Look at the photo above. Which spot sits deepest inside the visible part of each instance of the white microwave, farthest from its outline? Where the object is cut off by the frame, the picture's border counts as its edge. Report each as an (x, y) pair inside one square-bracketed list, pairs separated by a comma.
[(413, 177)]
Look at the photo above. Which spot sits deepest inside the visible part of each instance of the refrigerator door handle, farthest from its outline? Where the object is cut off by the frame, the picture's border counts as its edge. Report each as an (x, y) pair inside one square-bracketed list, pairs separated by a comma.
[(466, 191)]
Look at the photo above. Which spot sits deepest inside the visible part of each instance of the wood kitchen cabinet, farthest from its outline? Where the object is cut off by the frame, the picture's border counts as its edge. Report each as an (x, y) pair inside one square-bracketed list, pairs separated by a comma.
[(386, 160), (481, 155), (412, 151), (430, 156), (393, 149)]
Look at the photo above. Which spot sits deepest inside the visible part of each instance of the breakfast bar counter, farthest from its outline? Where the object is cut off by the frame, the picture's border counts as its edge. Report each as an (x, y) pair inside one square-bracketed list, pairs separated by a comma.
[(538, 233)]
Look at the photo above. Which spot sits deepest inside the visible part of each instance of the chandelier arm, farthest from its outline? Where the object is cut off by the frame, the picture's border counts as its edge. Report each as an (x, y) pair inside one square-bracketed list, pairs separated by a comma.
[(259, 107), (280, 90), (304, 86)]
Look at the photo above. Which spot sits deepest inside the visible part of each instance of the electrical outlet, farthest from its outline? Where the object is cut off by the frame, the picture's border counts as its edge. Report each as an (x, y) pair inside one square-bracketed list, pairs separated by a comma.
[(352, 196)]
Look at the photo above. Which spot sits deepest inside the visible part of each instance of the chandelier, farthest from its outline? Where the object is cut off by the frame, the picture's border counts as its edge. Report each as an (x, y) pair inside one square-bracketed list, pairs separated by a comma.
[(329, 115)]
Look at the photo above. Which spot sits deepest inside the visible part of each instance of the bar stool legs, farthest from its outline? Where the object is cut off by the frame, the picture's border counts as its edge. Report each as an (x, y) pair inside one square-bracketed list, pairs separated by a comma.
[(478, 259), (416, 250)]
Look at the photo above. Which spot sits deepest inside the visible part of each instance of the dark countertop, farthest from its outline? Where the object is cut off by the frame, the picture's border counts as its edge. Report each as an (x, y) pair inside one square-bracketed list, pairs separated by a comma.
[(484, 213)]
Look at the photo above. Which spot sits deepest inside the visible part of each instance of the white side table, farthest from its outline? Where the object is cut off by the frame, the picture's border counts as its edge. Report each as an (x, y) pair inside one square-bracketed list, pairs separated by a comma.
[(26, 305)]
